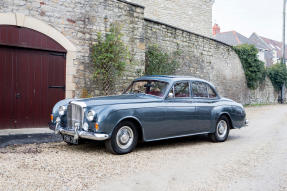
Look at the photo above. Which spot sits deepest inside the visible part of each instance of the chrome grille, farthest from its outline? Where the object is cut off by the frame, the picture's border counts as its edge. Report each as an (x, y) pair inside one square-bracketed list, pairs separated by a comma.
[(74, 115)]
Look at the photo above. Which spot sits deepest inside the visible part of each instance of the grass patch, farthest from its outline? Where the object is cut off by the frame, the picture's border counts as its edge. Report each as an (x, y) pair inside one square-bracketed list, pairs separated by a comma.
[(258, 104)]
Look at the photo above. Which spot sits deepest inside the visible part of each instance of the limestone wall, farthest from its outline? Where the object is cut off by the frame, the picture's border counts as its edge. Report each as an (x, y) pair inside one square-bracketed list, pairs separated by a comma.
[(208, 59), (201, 57), (192, 15), (265, 94)]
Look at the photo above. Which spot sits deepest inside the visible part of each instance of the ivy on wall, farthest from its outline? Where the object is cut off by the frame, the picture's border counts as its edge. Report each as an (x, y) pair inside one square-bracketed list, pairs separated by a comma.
[(109, 57), (278, 75), (158, 62), (254, 69)]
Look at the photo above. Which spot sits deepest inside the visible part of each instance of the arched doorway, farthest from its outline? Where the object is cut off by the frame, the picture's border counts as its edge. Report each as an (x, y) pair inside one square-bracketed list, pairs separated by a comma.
[(32, 77)]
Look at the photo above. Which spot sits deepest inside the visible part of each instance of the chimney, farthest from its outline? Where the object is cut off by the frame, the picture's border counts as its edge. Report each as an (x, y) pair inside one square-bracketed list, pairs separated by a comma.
[(215, 29)]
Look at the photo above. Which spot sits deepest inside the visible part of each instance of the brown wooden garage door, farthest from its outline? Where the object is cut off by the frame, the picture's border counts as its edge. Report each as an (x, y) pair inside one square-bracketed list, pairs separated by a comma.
[(32, 77)]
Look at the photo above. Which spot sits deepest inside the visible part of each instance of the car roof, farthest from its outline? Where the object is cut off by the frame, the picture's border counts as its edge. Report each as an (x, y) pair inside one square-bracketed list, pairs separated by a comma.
[(170, 78)]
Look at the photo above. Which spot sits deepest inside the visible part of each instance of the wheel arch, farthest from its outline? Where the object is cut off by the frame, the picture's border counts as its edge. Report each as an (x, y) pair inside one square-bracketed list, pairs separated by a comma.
[(228, 117), (136, 122)]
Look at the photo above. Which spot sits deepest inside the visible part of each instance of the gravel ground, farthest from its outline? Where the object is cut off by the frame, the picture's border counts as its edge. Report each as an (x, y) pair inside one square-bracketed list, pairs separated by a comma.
[(253, 158)]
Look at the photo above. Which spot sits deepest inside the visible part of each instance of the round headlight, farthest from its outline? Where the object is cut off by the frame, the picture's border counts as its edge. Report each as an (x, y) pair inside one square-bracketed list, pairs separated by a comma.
[(58, 120), (86, 126), (62, 110), (91, 115)]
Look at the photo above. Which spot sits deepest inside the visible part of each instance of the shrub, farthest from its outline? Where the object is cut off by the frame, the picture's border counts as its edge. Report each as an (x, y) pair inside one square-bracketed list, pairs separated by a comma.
[(159, 62), (109, 57), (254, 69), (278, 75)]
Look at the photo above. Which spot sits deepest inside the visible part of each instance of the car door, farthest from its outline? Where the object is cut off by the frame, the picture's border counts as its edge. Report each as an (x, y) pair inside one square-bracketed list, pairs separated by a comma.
[(205, 99), (180, 110)]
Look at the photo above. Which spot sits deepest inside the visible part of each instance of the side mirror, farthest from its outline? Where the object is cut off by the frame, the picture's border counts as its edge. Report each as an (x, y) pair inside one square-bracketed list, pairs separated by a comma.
[(170, 95)]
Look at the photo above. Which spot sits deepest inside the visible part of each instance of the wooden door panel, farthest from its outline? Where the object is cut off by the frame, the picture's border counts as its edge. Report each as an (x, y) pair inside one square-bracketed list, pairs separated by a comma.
[(25, 76), (35, 74), (57, 78), (29, 63), (7, 87), (25, 102)]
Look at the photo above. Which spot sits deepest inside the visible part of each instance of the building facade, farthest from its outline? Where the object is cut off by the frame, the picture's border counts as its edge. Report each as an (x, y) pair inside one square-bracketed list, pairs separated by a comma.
[(191, 15)]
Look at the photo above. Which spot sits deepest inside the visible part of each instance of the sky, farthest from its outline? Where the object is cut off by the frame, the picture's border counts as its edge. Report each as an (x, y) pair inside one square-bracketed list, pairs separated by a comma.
[(247, 16)]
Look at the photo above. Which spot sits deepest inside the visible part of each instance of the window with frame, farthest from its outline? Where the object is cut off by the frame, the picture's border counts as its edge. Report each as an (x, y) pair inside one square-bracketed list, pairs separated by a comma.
[(181, 90), (199, 89), (211, 92)]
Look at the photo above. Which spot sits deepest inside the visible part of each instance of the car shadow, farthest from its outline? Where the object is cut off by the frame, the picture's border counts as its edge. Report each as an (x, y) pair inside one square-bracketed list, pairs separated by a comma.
[(175, 142), (99, 146)]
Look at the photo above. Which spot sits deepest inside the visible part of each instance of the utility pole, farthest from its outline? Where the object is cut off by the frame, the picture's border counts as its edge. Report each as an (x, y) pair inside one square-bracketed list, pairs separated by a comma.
[(283, 47)]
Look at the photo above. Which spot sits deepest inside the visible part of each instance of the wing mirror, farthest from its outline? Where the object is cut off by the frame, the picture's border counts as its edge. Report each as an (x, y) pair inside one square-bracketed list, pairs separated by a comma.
[(170, 95)]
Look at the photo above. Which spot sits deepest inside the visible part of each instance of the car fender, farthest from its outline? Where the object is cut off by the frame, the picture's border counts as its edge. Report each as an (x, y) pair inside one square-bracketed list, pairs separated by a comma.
[(110, 118), (217, 112)]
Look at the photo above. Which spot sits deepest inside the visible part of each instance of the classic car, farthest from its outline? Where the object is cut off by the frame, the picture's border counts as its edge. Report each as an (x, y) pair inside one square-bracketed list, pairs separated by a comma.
[(152, 108)]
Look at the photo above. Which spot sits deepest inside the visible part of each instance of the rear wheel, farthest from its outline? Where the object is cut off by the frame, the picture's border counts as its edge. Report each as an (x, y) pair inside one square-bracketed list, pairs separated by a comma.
[(222, 130), (124, 138)]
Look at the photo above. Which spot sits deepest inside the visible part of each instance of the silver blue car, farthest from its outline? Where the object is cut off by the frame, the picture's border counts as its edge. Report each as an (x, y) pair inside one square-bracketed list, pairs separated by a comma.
[(152, 108)]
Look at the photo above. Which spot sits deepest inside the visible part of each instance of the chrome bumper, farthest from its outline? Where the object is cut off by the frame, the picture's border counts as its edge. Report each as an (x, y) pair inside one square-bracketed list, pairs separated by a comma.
[(81, 134), (246, 122)]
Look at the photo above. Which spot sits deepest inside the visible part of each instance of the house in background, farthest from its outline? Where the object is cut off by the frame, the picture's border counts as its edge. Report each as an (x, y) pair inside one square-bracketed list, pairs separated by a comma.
[(234, 38), (269, 51), (231, 38), (272, 47)]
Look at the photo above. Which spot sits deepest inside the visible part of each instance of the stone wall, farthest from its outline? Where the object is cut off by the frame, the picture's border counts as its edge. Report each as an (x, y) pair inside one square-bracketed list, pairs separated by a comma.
[(201, 57), (80, 21), (208, 59), (192, 15), (265, 94)]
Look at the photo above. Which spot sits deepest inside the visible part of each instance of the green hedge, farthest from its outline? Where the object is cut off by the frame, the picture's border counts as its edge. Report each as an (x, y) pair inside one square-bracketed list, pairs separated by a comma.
[(278, 75), (254, 69)]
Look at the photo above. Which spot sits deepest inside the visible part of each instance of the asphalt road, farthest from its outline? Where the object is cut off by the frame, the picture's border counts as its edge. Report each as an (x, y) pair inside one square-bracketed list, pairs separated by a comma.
[(253, 158)]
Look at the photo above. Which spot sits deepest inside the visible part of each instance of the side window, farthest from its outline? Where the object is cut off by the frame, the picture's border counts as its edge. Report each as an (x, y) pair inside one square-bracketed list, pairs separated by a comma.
[(181, 90), (199, 89), (211, 93)]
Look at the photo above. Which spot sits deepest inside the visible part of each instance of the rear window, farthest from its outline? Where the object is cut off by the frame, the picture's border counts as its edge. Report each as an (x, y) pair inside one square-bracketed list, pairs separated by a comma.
[(199, 89)]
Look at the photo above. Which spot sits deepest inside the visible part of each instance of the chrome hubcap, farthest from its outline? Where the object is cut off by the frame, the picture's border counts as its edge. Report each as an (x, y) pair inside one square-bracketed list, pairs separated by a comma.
[(125, 137), (222, 128)]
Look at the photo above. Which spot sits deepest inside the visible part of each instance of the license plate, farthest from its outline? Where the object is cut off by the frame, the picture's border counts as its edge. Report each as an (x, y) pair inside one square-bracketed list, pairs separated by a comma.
[(70, 139)]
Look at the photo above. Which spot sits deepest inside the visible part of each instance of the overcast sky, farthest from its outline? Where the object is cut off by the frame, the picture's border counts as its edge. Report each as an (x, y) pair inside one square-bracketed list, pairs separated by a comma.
[(247, 16)]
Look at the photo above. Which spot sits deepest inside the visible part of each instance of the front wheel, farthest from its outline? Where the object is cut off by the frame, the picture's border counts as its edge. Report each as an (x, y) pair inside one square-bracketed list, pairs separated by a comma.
[(124, 138), (222, 130)]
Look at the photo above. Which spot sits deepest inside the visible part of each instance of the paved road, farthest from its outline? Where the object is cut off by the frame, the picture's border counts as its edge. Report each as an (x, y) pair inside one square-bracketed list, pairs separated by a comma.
[(253, 158)]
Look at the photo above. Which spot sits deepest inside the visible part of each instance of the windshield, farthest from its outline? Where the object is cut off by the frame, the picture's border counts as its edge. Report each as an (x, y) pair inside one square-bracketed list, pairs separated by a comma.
[(151, 87)]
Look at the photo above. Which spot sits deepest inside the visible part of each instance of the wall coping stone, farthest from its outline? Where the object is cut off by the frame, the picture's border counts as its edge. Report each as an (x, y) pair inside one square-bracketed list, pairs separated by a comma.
[(130, 3), (184, 30)]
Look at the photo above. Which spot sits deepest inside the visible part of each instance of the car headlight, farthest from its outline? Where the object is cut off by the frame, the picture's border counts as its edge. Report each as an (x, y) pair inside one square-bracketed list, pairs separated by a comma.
[(86, 126), (58, 120), (62, 110), (91, 115)]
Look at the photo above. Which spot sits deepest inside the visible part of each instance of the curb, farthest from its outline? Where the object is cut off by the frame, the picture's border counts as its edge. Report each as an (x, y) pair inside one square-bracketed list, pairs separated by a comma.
[(8, 140)]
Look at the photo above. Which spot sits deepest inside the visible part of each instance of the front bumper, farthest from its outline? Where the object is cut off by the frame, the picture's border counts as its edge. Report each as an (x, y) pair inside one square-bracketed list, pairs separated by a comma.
[(246, 122), (76, 133)]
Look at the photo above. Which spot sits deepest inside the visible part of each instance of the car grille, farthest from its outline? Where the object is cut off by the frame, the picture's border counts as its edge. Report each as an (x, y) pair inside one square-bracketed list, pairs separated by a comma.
[(74, 115)]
